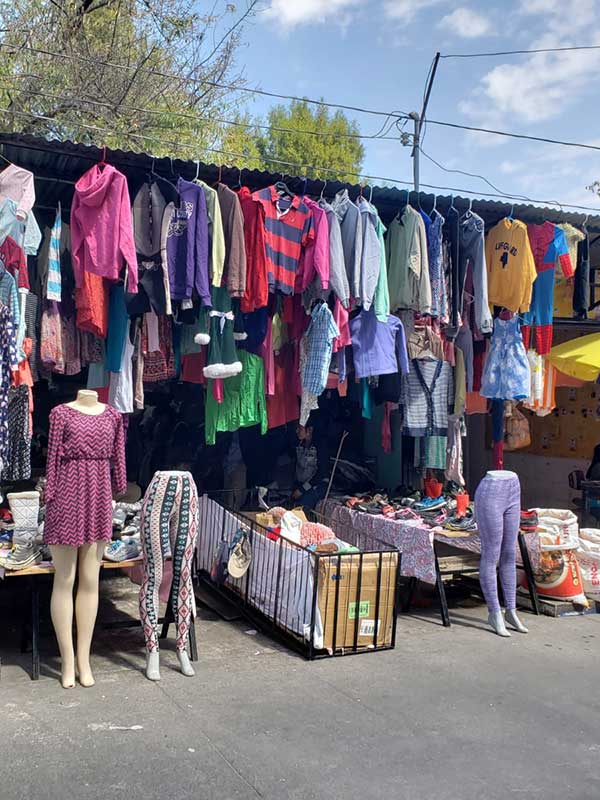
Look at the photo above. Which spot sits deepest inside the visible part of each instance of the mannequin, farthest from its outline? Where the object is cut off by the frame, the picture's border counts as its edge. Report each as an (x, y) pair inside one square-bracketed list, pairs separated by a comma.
[(86, 439), (497, 510), (169, 523)]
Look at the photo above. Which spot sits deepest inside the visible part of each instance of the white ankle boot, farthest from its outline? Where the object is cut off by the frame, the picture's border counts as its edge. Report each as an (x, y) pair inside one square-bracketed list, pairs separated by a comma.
[(25, 509)]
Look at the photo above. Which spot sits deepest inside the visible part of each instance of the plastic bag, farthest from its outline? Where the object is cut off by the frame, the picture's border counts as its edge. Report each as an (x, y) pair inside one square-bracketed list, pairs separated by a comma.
[(557, 528), (588, 556)]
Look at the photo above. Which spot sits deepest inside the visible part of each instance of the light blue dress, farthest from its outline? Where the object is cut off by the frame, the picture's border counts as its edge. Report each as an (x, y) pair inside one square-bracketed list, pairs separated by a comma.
[(506, 375)]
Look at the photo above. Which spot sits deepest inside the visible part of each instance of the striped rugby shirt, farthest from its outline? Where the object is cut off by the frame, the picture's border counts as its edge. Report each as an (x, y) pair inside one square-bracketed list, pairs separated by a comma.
[(289, 227)]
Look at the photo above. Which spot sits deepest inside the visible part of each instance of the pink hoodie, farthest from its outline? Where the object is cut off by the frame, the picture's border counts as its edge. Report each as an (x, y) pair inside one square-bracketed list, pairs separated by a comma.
[(101, 227)]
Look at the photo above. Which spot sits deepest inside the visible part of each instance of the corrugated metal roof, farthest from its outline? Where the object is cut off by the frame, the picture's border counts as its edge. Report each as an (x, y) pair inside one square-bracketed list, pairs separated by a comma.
[(58, 164)]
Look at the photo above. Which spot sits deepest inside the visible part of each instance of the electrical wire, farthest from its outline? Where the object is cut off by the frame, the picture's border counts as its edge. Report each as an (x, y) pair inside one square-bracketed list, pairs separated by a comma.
[(196, 118), (337, 171), (197, 81), (468, 174), (521, 52)]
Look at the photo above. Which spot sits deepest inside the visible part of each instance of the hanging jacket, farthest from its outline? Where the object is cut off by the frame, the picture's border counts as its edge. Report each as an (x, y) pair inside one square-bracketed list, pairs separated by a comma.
[(408, 263), (101, 227), (187, 245), (351, 227), (472, 251)]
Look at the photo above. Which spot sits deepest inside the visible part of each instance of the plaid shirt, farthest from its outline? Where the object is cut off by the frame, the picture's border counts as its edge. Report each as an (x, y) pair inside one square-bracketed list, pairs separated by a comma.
[(319, 338)]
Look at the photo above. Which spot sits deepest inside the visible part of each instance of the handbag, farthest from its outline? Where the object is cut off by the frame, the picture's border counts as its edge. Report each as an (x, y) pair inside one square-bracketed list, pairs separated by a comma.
[(517, 434)]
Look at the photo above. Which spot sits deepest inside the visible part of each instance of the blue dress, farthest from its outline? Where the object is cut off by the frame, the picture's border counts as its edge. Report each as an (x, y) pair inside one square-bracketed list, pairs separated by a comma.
[(506, 375)]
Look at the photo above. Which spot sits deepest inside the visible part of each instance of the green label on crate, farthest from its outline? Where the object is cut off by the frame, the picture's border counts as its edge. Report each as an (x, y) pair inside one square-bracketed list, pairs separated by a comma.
[(363, 609)]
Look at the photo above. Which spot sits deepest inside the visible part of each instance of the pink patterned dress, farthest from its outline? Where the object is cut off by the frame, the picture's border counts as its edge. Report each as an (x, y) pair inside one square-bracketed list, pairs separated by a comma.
[(86, 463)]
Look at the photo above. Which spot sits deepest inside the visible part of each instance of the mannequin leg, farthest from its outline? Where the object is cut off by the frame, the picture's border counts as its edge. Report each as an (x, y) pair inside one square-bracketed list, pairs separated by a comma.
[(156, 515), (183, 553), (61, 608), (86, 606), (508, 563), (489, 511)]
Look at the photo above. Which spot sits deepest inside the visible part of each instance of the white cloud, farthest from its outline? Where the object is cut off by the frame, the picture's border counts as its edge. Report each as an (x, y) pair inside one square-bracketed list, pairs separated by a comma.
[(466, 22), (291, 13), (406, 10)]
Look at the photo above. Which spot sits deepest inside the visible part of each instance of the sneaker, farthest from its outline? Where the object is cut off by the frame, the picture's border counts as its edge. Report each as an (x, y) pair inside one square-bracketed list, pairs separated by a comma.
[(466, 523), (122, 550), (430, 504), (21, 557), (411, 499)]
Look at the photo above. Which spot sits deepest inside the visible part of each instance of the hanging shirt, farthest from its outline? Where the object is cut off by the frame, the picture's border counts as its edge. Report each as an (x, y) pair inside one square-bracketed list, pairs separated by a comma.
[(379, 348), (256, 294), (187, 245), (563, 289), (370, 263), (315, 258), (472, 255), (408, 263), (510, 265), (25, 232), (18, 184), (10, 297), (13, 259), (428, 395), (216, 236), (244, 402), (319, 337), (101, 227), (338, 278), (235, 267), (289, 227), (352, 237)]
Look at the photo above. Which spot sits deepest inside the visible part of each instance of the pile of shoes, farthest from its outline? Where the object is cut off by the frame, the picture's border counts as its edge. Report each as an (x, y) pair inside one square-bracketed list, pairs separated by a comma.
[(464, 524), (25, 551), (126, 520), (127, 548)]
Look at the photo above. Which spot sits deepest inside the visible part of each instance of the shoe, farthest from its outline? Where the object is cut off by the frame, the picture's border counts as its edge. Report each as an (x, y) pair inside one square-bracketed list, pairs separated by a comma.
[(21, 557), (122, 550), (411, 499), (430, 504), (466, 523)]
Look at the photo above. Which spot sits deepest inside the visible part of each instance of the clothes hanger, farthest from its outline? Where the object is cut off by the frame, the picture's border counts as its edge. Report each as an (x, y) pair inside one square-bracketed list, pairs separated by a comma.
[(323, 190), (102, 162), (239, 186), (303, 190), (512, 212), (4, 158), (370, 194), (402, 207), (283, 189)]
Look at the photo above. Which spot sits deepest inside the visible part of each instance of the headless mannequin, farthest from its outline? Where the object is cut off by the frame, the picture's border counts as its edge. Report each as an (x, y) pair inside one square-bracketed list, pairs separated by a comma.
[(496, 619), (67, 560)]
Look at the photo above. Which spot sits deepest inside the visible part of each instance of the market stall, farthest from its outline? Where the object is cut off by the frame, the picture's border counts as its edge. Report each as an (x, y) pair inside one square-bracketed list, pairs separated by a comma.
[(184, 327)]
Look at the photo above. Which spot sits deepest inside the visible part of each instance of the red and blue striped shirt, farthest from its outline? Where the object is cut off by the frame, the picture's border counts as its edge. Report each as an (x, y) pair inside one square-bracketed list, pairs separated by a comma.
[(289, 227)]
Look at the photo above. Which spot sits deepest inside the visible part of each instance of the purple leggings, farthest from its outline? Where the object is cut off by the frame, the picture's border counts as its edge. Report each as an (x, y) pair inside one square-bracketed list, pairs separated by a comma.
[(498, 510)]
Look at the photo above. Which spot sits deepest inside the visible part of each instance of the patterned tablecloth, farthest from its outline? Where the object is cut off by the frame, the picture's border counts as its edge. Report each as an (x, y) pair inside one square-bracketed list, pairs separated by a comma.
[(414, 542)]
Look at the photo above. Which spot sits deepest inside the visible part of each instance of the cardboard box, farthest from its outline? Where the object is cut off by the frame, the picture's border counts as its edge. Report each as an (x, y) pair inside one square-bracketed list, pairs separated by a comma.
[(354, 610)]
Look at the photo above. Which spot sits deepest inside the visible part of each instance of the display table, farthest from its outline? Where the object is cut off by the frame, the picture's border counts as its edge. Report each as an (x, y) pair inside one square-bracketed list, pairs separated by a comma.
[(35, 575), (420, 544)]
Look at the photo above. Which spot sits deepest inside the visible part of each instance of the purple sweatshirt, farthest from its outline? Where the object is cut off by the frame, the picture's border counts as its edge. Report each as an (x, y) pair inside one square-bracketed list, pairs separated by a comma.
[(187, 245)]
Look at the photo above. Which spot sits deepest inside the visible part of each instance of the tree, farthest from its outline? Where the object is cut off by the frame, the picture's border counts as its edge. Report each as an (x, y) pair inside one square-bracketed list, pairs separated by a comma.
[(314, 138), (107, 66)]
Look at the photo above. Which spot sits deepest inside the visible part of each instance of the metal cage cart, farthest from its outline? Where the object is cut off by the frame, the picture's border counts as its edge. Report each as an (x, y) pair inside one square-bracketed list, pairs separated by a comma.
[(320, 604)]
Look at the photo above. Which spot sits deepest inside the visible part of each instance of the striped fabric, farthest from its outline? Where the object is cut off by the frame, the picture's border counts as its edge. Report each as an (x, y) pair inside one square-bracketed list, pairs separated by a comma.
[(289, 227), (53, 285)]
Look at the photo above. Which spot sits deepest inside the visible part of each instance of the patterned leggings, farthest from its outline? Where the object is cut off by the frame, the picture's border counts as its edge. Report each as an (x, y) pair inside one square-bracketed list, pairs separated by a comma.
[(498, 511), (169, 523)]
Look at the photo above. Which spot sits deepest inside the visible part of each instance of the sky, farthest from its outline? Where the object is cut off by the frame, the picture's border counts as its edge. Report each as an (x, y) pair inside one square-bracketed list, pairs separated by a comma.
[(377, 53)]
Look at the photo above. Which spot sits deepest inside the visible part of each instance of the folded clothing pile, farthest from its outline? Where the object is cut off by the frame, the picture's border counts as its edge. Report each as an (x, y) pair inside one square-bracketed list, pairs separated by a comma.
[(529, 521)]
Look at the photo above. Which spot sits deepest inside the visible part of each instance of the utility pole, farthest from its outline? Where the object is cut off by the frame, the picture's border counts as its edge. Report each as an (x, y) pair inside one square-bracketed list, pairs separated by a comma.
[(418, 120)]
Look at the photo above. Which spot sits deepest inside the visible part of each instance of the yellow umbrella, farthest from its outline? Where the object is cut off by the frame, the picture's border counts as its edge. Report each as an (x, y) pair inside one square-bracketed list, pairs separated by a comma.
[(579, 358)]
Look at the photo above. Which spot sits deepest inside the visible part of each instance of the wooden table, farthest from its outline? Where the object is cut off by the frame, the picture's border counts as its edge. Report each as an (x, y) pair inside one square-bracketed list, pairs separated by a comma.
[(34, 576)]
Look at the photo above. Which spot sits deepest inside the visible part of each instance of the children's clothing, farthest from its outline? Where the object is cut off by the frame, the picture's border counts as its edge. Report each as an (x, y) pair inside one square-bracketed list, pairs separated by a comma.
[(506, 375)]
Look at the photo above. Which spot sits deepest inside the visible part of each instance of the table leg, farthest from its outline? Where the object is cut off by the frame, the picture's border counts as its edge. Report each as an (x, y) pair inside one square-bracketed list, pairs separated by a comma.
[(535, 602), (442, 592), (412, 585), (35, 630)]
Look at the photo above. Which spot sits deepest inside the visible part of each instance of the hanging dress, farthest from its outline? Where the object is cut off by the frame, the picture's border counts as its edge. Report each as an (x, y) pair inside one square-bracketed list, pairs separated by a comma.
[(506, 375)]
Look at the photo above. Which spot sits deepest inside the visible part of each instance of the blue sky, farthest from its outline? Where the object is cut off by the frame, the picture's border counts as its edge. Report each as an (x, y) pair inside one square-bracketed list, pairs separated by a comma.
[(376, 53)]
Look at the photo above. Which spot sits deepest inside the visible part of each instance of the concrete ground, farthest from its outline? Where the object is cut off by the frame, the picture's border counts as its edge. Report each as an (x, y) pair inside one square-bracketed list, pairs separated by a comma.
[(449, 714)]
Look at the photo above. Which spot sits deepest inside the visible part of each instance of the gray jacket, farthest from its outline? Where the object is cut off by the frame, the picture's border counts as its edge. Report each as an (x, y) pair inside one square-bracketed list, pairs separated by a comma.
[(351, 228), (338, 278), (472, 250)]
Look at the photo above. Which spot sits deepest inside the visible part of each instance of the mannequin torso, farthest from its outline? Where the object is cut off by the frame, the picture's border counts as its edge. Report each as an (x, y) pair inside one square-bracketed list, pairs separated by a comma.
[(87, 403)]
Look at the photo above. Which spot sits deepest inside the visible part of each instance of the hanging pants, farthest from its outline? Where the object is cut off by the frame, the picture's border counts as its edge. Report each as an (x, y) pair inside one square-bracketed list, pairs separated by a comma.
[(498, 511), (169, 524), (540, 313)]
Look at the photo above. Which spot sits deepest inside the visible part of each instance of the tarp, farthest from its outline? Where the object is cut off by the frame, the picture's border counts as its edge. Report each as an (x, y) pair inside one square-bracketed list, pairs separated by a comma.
[(578, 358)]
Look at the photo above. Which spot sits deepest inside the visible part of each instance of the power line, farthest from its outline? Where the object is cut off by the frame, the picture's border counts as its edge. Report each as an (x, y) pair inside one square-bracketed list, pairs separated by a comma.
[(330, 170), (197, 81), (513, 135), (521, 52), (196, 118)]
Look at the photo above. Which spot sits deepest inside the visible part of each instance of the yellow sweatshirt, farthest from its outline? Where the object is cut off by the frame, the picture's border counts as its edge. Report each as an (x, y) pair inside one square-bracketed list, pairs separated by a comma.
[(510, 265)]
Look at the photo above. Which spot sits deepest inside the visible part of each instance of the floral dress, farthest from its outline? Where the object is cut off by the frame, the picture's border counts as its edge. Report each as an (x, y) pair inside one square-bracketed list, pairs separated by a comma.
[(506, 375), (8, 362)]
